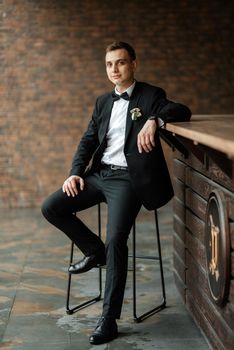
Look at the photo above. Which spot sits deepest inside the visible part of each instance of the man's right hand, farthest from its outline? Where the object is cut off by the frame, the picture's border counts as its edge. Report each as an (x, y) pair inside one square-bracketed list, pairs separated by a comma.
[(72, 185)]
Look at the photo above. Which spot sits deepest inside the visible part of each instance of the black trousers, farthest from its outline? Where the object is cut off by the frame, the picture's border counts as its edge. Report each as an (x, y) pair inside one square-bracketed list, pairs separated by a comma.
[(114, 188)]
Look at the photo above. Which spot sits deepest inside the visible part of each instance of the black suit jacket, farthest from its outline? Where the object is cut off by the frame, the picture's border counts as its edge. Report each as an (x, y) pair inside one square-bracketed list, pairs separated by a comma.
[(148, 171)]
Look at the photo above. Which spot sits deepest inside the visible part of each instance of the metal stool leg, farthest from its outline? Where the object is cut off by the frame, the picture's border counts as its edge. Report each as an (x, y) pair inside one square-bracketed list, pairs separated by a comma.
[(162, 305), (99, 296)]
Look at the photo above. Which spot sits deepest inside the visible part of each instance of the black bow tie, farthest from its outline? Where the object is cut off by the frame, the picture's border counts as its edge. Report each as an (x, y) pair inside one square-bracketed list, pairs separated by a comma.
[(116, 97)]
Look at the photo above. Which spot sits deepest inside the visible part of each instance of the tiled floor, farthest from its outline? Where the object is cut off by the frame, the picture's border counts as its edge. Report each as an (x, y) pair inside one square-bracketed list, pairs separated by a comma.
[(34, 258)]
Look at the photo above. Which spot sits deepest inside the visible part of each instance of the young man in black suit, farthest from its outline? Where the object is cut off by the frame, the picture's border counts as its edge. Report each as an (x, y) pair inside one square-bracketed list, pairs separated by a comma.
[(119, 161)]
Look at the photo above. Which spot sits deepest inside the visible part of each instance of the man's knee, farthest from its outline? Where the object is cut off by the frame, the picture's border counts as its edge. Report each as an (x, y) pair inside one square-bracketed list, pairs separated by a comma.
[(49, 206), (46, 208)]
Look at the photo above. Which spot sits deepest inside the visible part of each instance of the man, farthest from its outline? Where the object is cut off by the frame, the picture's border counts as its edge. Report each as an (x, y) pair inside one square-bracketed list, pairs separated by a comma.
[(127, 170)]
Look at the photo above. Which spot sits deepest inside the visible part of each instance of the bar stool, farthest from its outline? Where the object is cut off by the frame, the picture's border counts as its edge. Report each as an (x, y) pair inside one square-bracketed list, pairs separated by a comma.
[(158, 258)]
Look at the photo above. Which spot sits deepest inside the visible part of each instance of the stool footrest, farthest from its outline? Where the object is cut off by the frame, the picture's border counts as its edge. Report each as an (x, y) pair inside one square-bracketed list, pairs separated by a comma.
[(147, 314), (70, 311), (150, 257)]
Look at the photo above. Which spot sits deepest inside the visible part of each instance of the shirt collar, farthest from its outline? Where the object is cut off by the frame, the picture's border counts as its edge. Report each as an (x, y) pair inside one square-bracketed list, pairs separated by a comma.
[(129, 90)]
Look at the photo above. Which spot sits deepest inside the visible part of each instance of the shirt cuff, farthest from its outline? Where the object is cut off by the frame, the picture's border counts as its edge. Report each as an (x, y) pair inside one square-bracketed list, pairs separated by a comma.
[(160, 122)]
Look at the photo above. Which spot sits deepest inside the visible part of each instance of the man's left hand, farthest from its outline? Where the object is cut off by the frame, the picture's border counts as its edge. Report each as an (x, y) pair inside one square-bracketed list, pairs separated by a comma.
[(145, 138)]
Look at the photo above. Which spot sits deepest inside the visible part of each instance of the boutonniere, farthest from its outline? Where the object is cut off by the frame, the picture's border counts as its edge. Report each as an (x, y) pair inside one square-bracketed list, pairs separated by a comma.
[(135, 113)]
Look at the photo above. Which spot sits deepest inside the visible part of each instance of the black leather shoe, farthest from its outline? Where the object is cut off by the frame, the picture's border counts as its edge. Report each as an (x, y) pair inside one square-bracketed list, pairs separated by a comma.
[(105, 331), (87, 263)]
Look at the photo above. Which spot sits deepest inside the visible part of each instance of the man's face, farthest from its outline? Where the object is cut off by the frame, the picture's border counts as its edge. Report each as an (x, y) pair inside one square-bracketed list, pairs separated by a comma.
[(120, 69)]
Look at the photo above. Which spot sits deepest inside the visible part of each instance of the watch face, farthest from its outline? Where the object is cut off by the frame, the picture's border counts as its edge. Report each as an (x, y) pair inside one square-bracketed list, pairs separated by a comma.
[(217, 244)]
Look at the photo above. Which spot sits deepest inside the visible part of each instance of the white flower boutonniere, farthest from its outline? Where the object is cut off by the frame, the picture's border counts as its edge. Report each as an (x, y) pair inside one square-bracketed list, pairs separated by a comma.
[(135, 113)]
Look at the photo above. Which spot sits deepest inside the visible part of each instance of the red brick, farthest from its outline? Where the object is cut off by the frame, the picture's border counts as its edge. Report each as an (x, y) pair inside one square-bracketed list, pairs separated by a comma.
[(52, 70)]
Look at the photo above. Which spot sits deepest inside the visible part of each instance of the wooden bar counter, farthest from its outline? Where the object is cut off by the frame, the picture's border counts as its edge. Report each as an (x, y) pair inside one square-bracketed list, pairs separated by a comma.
[(204, 223)]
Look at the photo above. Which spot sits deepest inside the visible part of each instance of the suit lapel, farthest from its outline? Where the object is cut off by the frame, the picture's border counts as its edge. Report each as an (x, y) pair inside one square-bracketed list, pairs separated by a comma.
[(106, 117), (133, 103)]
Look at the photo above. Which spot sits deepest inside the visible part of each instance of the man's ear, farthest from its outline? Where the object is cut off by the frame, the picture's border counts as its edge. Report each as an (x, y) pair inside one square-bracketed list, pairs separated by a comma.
[(134, 63)]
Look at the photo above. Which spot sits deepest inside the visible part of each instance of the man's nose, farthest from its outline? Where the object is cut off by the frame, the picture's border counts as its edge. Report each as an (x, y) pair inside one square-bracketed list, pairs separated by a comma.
[(115, 68)]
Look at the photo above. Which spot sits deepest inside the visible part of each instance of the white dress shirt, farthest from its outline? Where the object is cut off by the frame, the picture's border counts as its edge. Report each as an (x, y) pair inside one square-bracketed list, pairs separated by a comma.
[(114, 152)]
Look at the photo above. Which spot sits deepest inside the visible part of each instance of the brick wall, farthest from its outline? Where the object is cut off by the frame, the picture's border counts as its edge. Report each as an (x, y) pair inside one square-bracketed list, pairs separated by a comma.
[(52, 70)]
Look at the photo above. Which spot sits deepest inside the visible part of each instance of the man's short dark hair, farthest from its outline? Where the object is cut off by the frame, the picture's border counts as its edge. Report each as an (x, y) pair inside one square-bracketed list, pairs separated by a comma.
[(116, 45)]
